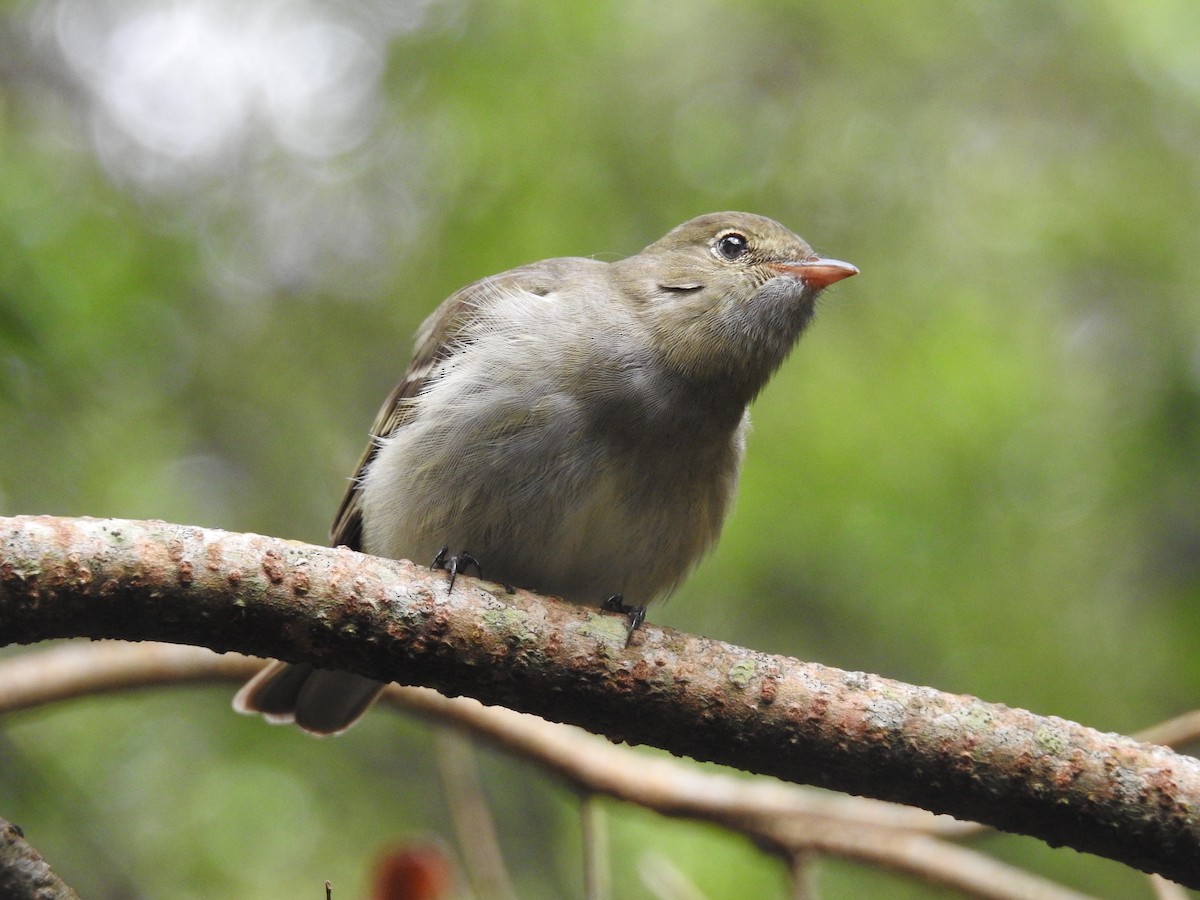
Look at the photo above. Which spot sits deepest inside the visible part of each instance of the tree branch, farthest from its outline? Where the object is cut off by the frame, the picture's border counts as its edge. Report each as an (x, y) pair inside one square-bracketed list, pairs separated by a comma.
[(787, 820), (24, 874), (858, 733)]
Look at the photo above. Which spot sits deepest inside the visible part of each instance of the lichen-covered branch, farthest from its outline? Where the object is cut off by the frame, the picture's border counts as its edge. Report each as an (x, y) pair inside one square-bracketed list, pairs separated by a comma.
[(858, 733), (24, 874), (792, 822)]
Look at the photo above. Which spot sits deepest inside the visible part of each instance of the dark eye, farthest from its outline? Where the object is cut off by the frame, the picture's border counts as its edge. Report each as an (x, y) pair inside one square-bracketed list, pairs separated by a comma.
[(731, 246)]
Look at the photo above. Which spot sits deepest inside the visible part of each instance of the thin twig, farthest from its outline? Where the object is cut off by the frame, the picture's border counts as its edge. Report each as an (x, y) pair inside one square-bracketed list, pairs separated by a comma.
[(1166, 890), (802, 871), (664, 880), (597, 882), (477, 840)]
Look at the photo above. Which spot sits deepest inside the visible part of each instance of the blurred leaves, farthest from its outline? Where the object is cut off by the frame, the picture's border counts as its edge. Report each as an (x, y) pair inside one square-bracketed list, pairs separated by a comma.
[(980, 470)]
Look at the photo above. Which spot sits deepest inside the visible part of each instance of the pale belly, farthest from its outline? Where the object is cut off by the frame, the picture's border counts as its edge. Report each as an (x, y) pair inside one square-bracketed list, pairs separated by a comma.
[(548, 511)]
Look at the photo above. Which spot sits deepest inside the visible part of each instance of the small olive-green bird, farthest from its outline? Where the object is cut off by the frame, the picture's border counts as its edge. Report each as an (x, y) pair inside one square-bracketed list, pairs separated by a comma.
[(573, 427)]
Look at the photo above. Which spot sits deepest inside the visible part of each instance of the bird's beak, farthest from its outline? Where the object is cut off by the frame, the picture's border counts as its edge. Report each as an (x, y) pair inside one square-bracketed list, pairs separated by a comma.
[(816, 272)]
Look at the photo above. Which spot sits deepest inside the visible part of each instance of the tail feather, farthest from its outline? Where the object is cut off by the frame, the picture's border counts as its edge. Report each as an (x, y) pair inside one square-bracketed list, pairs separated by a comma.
[(321, 701)]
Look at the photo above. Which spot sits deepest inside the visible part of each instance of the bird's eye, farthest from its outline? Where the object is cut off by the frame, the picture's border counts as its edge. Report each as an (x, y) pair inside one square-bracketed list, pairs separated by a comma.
[(731, 246)]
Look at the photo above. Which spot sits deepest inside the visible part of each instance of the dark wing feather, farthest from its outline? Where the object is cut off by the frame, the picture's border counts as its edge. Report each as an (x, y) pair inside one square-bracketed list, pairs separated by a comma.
[(347, 525), (435, 341), (446, 330)]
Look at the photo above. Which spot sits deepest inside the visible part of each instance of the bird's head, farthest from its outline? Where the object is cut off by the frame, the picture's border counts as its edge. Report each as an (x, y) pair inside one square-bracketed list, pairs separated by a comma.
[(725, 296)]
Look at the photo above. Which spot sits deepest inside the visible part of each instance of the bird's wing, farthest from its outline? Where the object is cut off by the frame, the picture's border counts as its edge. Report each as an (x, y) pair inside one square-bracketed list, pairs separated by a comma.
[(435, 342), (443, 333), (347, 525)]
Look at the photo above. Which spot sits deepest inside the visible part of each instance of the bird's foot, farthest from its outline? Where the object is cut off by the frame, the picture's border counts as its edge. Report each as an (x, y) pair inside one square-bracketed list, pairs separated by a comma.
[(459, 562), (637, 614)]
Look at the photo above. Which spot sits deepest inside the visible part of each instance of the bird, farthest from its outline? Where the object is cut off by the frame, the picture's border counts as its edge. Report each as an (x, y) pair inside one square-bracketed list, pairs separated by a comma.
[(572, 426)]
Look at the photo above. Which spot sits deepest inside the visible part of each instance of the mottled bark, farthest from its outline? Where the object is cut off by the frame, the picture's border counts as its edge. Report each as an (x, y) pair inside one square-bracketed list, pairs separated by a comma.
[(24, 874), (854, 732)]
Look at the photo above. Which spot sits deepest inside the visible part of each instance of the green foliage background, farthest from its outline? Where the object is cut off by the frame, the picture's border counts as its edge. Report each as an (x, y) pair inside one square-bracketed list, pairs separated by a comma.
[(979, 471)]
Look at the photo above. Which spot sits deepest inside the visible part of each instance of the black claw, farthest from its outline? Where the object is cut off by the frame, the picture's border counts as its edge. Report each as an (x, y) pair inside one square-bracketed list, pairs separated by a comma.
[(637, 614), (466, 560), (460, 562)]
